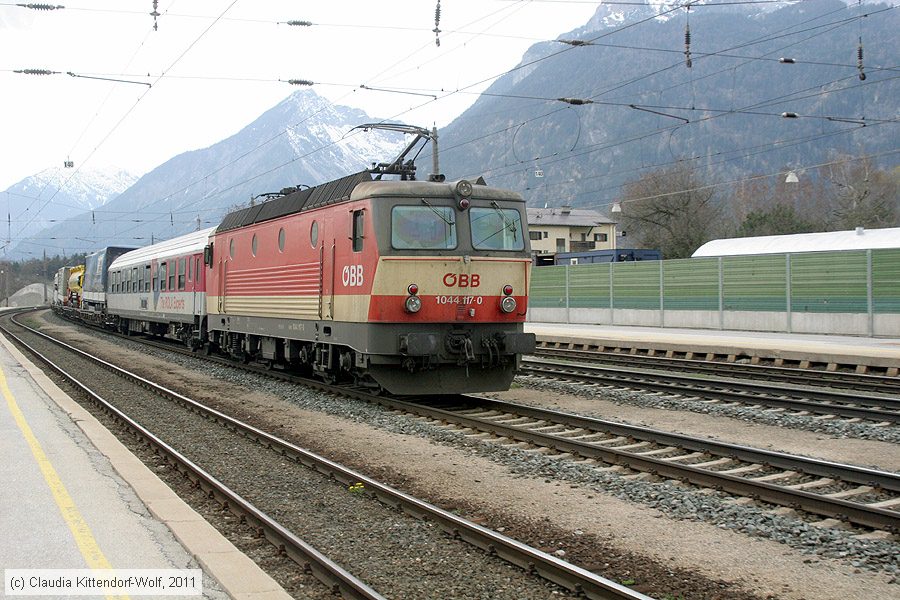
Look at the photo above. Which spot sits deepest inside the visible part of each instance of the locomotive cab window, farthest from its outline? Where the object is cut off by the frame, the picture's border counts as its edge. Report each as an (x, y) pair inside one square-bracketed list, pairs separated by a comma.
[(429, 227), (496, 228), (357, 235)]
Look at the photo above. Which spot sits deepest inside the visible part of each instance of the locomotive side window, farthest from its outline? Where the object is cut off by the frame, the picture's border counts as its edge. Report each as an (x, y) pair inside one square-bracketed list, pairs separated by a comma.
[(496, 228), (431, 227), (254, 244), (231, 248), (281, 240), (357, 230), (314, 234)]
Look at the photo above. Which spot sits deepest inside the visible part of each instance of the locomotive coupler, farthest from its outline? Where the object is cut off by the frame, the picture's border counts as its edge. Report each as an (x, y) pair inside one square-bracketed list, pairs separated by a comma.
[(460, 343)]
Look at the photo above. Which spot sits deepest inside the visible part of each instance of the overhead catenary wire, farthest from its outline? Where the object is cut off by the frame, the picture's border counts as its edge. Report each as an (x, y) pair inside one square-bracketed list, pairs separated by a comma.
[(636, 105)]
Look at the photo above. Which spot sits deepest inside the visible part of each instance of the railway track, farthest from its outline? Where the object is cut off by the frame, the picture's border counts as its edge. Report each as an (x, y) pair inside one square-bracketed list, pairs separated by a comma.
[(550, 568), (866, 497), (820, 377), (879, 408)]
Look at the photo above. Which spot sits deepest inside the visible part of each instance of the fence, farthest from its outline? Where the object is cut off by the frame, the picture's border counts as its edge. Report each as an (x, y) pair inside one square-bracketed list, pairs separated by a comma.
[(847, 292)]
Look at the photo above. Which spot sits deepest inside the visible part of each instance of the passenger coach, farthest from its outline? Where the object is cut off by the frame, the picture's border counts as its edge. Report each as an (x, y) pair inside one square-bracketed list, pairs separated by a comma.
[(161, 289)]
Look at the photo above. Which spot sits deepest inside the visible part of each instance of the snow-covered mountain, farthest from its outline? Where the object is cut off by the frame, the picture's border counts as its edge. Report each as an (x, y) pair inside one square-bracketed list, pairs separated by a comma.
[(57, 194), (303, 140), (613, 14)]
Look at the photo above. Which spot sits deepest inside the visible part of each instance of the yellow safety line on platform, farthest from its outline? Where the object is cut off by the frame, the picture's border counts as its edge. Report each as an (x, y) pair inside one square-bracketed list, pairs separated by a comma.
[(88, 546)]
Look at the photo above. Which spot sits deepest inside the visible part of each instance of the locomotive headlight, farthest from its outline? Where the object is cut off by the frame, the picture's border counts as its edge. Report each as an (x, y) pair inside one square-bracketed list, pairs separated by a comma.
[(413, 304), (508, 304), (464, 188)]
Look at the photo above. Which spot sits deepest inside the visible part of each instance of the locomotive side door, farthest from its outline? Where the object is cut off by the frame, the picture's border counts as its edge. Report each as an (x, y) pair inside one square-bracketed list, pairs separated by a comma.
[(328, 254), (220, 281)]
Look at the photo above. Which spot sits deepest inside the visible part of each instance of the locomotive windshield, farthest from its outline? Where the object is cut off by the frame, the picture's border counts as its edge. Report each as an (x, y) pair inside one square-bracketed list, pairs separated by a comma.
[(496, 228), (430, 227)]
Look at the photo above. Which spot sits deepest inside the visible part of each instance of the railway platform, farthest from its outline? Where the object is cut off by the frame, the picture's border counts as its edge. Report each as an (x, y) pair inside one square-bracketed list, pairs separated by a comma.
[(73, 497), (863, 354)]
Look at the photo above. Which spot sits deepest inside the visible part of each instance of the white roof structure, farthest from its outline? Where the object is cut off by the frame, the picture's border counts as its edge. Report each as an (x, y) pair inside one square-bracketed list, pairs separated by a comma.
[(185, 244), (858, 239)]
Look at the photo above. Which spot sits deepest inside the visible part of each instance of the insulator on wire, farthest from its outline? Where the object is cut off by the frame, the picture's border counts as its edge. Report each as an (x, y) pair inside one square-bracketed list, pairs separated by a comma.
[(859, 61), (42, 6), (687, 46), (36, 72), (786, 60), (576, 101), (155, 14), (300, 82), (437, 24), (300, 23)]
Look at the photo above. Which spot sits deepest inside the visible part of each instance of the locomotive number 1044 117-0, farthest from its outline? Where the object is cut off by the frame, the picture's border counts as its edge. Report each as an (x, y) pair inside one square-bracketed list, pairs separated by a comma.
[(466, 300)]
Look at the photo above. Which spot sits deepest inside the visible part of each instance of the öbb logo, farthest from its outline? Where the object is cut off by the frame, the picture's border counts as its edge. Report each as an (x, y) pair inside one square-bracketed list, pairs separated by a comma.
[(462, 280), (352, 276)]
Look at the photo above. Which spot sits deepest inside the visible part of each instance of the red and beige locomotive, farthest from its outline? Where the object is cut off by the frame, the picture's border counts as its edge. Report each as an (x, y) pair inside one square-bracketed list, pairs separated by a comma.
[(414, 287)]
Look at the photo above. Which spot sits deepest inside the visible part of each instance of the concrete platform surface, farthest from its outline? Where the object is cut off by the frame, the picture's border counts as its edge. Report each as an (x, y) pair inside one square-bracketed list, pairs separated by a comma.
[(840, 349), (73, 497)]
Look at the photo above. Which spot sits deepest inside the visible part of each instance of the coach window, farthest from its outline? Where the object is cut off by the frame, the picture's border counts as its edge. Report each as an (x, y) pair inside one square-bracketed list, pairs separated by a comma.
[(181, 273), (147, 278), (358, 230), (172, 276), (281, 240), (134, 279), (155, 282), (314, 234), (163, 270), (197, 270)]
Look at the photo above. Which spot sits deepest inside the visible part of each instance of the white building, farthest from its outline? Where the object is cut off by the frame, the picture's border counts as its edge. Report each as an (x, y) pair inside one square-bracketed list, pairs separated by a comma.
[(566, 229)]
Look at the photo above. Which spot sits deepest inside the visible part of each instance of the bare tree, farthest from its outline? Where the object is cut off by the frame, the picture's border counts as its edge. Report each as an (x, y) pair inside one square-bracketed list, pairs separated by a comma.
[(672, 210), (862, 196)]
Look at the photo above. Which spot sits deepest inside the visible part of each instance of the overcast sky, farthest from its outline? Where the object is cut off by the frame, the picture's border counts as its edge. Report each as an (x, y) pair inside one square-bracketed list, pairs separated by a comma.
[(215, 66)]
